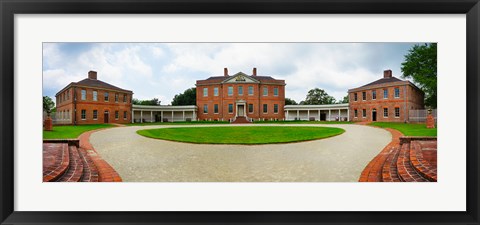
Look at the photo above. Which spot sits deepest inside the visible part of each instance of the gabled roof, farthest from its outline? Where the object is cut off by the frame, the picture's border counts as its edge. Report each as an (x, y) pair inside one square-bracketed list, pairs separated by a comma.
[(220, 79), (98, 84), (383, 81)]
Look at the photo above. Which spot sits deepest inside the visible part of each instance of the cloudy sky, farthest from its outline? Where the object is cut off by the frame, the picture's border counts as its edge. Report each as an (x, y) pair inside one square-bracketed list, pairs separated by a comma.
[(161, 70)]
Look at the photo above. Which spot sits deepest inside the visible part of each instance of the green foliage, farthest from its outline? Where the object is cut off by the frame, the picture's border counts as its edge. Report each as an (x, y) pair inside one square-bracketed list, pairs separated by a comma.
[(318, 96), (188, 97), (153, 101), (344, 100), (247, 135), (409, 129), (71, 131), (289, 101), (421, 65), (48, 105)]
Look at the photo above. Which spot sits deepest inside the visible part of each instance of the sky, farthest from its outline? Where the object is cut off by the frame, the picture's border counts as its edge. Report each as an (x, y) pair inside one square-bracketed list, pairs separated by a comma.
[(162, 70)]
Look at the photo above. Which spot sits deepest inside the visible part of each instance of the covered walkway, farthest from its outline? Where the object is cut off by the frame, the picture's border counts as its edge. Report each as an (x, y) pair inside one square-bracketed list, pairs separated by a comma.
[(333, 112), (163, 113)]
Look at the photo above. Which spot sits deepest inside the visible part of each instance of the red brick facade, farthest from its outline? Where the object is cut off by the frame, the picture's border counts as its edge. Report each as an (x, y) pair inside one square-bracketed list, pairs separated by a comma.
[(228, 96), (92, 101), (386, 100)]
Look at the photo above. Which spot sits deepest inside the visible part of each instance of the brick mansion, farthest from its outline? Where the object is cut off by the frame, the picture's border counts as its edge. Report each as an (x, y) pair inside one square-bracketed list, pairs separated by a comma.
[(239, 97)]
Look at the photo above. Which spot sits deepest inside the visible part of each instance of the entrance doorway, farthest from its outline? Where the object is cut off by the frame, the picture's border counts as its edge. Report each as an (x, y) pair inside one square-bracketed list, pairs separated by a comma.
[(323, 117), (374, 115), (241, 110), (105, 116)]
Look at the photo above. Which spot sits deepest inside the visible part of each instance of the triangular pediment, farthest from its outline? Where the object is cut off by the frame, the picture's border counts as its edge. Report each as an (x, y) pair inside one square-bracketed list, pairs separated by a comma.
[(241, 78)]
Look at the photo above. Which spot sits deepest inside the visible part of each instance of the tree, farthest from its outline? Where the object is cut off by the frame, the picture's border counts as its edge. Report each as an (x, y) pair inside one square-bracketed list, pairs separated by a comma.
[(344, 100), (289, 101), (188, 97), (153, 101), (421, 65), (318, 96), (48, 105)]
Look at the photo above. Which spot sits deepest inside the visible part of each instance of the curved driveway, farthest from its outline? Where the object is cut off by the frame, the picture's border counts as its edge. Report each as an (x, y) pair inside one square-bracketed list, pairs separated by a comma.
[(338, 159)]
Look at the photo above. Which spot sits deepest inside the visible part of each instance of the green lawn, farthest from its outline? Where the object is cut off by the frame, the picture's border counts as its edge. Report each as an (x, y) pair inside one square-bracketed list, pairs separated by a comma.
[(177, 123), (70, 131), (248, 135), (304, 122), (408, 129)]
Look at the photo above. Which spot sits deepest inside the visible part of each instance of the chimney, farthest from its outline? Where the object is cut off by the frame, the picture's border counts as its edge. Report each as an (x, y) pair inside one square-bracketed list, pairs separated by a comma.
[(92, 75), (225, 72), (387, 73), (254, 72)]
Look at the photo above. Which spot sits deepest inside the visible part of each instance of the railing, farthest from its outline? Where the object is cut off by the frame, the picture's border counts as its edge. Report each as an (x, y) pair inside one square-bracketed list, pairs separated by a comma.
[(420, 115)]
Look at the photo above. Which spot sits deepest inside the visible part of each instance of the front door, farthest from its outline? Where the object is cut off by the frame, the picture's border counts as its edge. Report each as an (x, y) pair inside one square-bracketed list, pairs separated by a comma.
[(105, 116), (241, 110), (374, 115)]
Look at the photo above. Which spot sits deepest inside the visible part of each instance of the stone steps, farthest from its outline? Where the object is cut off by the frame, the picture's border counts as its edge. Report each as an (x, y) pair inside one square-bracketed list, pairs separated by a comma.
[(241, 119), (55, 161), (390, 172), (406, 171), (75, 167)]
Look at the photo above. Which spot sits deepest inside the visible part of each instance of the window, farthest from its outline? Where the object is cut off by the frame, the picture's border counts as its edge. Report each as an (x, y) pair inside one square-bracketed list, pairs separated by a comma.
[(106, 96), (250, 108), (230, 108), (265, 91), (385, 112), (355, 97), (116, 97), (95, 114), (275, 108), (124, 97), (230, 91), (215, 108), (95, 94), (205, 92), (84, 114), (240, 90), (205, 108), (124, 115), (397, 112), (116, 115), (374, 94), (385, 93), (68, 95), (265, 108), (355, 113), (84, 94), (397, 92), (364, 96), (215, 91), (68, 114), (275, 91), (250, 90), (364, 113)]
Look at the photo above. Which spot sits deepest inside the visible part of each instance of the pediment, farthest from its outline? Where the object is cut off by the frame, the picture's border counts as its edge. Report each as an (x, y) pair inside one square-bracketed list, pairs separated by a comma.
[(241, 78)]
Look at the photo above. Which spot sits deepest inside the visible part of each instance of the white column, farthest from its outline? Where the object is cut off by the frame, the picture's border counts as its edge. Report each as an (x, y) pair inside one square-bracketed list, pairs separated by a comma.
[(339, 115), (319, 115), (286, 116), (141, 116), (133, 113), (298, 114), (172, 115), (194, 115), (151, 116), (161, 115), (348, 114), (183, 115), (329, 115), (308, 114)]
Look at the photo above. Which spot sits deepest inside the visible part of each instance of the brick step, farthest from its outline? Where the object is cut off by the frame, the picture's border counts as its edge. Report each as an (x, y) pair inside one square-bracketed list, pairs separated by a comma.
[(75, 167), (405, 169), (241, 119), (55, 161), (422, 166), (90, 171), (389, 171)]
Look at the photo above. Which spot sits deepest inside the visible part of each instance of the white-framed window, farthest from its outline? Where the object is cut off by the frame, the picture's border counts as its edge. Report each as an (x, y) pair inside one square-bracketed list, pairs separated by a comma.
[(250, 108), (230, 91), (397, 92), (84, 114), (385, 93), (275, 108), (250, 90), (84, 94), (124, 97), (205, 108), (95, 114), (355, 97), (230, 108), (116, 97), (105, 96), (95, 95), (68, 94), (116, 115), (364, 96), (205, 92), (265, 91), (374, 94), (240, 90), (215, 91), (124, 115), (385, 112), (397, 112), (275, 91), (265, 108), (355, 113), (215, 108), (364, 113)]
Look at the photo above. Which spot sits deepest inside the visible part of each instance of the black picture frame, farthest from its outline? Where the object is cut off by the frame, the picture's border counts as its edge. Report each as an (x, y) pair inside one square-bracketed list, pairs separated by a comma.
[(10, 7)]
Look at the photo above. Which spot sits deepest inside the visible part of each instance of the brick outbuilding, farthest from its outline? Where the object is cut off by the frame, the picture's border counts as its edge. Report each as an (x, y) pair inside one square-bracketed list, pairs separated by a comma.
[(92, 101), (229, 97), (388, 99)]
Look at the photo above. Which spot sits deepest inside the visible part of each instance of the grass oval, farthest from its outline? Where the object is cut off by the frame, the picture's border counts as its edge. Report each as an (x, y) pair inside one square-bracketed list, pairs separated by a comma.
[(246, 135)]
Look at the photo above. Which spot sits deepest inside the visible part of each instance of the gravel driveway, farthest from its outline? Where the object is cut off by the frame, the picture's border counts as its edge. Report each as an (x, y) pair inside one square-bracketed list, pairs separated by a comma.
[(338, 159)]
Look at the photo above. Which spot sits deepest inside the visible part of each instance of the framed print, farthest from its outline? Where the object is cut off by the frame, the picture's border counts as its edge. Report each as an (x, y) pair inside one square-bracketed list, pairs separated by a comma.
[(249, 112)]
